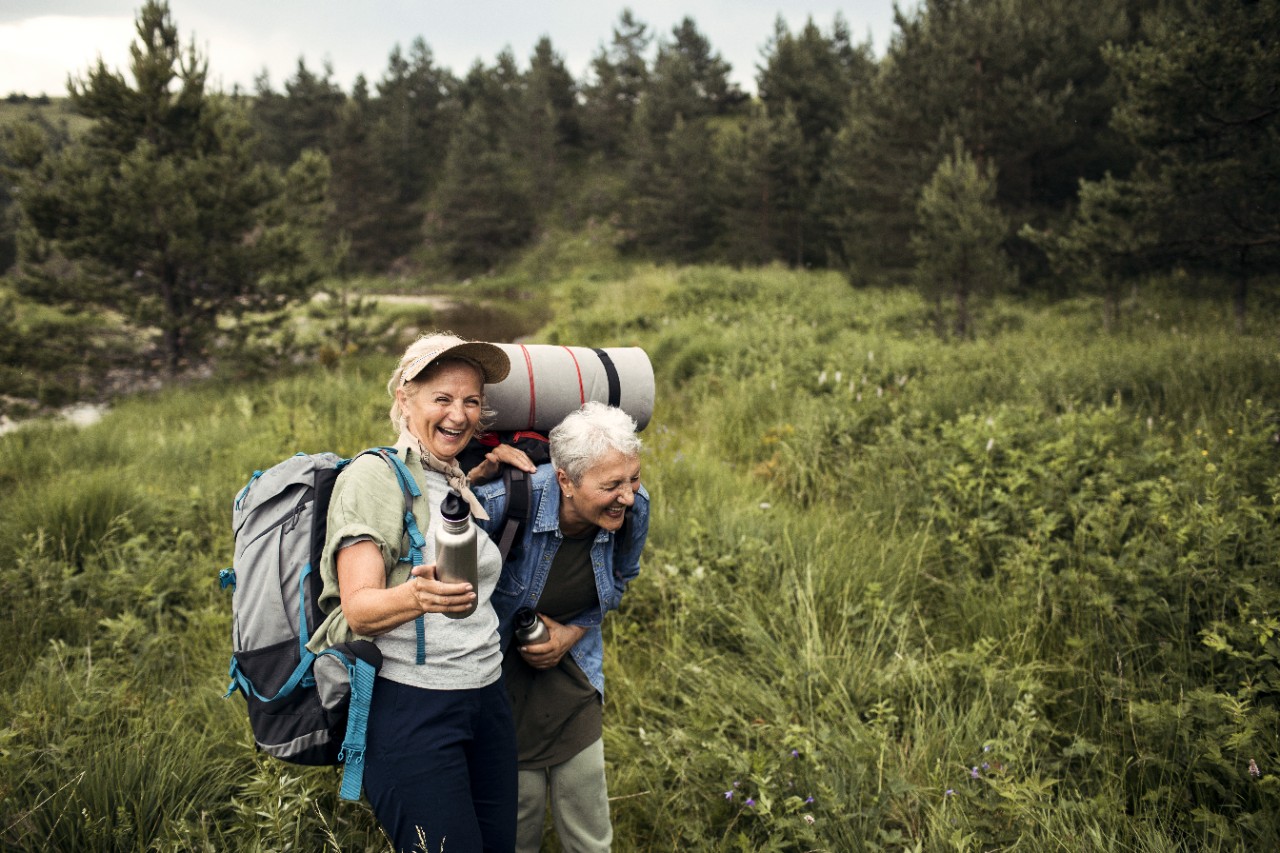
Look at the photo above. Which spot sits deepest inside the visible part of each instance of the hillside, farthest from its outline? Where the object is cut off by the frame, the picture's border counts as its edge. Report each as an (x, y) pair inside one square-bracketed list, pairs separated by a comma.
[(1011, 592)]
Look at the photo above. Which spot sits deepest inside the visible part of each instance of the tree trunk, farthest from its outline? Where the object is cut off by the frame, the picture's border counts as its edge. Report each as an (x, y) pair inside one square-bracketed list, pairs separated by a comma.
[(173, 339), (962, 311), (1240, 298)]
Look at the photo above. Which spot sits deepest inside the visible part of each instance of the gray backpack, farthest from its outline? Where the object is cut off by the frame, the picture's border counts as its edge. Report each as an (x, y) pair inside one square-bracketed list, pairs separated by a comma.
[(304, 708)]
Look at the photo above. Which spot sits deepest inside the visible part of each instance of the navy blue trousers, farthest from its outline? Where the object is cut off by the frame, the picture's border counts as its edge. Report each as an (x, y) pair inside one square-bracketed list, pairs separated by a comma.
[(440, 768)]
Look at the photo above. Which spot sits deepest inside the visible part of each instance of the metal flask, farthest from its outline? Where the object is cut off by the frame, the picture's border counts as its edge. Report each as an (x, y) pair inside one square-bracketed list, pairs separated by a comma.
[(529, 628), (456, 548)]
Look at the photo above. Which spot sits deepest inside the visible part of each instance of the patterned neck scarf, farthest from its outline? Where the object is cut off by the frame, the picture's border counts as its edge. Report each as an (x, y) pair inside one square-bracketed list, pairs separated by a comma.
[(452, 473)]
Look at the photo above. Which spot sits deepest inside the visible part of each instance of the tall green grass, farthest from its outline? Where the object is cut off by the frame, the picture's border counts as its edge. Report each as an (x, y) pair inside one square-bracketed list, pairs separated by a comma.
[(989, 594), (1014, 593)]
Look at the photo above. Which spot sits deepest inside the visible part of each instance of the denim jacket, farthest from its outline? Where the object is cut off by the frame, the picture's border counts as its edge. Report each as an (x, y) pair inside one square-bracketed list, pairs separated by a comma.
[(525, 574)]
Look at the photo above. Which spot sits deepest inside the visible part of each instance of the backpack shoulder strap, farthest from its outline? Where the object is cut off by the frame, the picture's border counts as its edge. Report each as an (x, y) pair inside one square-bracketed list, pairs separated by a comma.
[(519, 497), (409, 489), (417, 542)]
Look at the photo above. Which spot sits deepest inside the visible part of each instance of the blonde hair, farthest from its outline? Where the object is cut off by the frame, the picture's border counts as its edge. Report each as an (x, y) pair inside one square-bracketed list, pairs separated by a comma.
[(416, 350)]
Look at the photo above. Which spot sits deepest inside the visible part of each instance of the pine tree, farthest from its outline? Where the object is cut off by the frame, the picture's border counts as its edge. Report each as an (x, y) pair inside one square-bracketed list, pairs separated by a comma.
[(1105, 245), (673, 208), (747, 191), (763, 187), (1201, 104), (163, 205), (411, 125), (482, 210), (957, 244), (304, 117), (809, 78), (1022, 81), (690, 81), (619, 78)]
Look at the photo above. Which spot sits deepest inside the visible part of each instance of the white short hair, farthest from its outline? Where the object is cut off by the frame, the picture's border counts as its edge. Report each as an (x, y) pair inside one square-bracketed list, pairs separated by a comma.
[(584, 438)]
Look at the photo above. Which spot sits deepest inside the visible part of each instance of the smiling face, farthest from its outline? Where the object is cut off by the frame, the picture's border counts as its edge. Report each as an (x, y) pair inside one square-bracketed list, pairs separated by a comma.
[(602, 498), (443, 409)]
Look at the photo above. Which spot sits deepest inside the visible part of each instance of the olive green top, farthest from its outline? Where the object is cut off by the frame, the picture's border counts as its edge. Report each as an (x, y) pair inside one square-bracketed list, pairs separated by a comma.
[(367, 504)]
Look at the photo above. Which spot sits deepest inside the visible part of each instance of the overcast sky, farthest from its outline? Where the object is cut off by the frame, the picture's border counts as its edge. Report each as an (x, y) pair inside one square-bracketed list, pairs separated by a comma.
[(42, 41)]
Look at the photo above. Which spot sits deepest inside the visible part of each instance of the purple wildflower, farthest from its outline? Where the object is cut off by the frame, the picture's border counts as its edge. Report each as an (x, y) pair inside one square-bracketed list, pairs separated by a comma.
[(750, 802), (950, 792), (728, 795), (973, 774)]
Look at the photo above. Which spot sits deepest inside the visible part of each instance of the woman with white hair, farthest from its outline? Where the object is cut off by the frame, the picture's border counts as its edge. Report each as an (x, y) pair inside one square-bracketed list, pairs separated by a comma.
[(440, 766), (589, 517)]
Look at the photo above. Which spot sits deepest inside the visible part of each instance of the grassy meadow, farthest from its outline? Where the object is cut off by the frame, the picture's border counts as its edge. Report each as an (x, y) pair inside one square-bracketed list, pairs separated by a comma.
[(1011, 593)]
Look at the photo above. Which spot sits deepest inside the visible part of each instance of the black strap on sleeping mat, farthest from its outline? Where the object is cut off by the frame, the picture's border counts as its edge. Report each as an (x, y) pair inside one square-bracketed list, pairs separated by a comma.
[(611, 372)]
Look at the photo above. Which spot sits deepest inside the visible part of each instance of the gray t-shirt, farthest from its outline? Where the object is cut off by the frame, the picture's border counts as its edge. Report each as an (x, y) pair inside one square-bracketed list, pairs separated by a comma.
[(367, 504)]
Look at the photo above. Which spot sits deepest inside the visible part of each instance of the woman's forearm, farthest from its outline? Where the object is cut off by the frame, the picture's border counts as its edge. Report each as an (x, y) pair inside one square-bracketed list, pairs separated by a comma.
[(373, 608)]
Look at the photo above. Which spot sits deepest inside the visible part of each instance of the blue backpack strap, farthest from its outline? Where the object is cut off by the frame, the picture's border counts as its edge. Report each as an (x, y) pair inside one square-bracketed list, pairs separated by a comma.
[(417, 542), (301, 674), (245, 490), (352, 753)]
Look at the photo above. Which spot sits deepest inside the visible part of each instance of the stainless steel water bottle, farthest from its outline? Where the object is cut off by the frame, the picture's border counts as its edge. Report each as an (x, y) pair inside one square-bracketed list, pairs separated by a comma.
[(456, 548), (529, 628)]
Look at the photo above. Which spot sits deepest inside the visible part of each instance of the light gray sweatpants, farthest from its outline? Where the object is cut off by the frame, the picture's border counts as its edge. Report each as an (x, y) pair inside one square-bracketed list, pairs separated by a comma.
[(579, 804)]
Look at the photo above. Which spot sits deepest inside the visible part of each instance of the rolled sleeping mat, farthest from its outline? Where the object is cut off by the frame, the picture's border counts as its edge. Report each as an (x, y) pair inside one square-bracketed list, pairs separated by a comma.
[(548, 382)]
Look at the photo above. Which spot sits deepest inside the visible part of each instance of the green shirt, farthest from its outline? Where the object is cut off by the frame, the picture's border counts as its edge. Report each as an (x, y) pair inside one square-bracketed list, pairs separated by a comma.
[(367, 504)]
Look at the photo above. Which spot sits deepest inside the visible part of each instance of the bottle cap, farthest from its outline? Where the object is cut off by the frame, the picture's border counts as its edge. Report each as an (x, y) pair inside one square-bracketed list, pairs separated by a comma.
[(454, 508)]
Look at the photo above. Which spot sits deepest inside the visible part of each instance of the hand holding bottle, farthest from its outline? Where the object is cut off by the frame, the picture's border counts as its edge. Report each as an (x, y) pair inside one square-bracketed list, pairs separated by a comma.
[(437, 596), (561, 638)]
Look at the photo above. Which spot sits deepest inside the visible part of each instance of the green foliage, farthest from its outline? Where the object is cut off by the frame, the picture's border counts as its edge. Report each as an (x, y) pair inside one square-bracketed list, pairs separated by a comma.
[(658, 147), (115, 735), (481, 213), (673, 193), (1006, 594), (906, 593), (957, 246), (690, 80), (1199, 105), (164, 202), (1102, 247), (618, 80), (1021, 81), (806, 84)]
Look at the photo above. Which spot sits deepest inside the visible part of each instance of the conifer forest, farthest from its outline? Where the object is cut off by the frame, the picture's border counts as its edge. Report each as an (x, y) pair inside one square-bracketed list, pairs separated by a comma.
[(965, 457)]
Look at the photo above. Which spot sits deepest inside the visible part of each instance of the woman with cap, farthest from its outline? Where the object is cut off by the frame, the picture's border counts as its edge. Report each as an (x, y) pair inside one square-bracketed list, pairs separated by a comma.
[(440, 763)]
